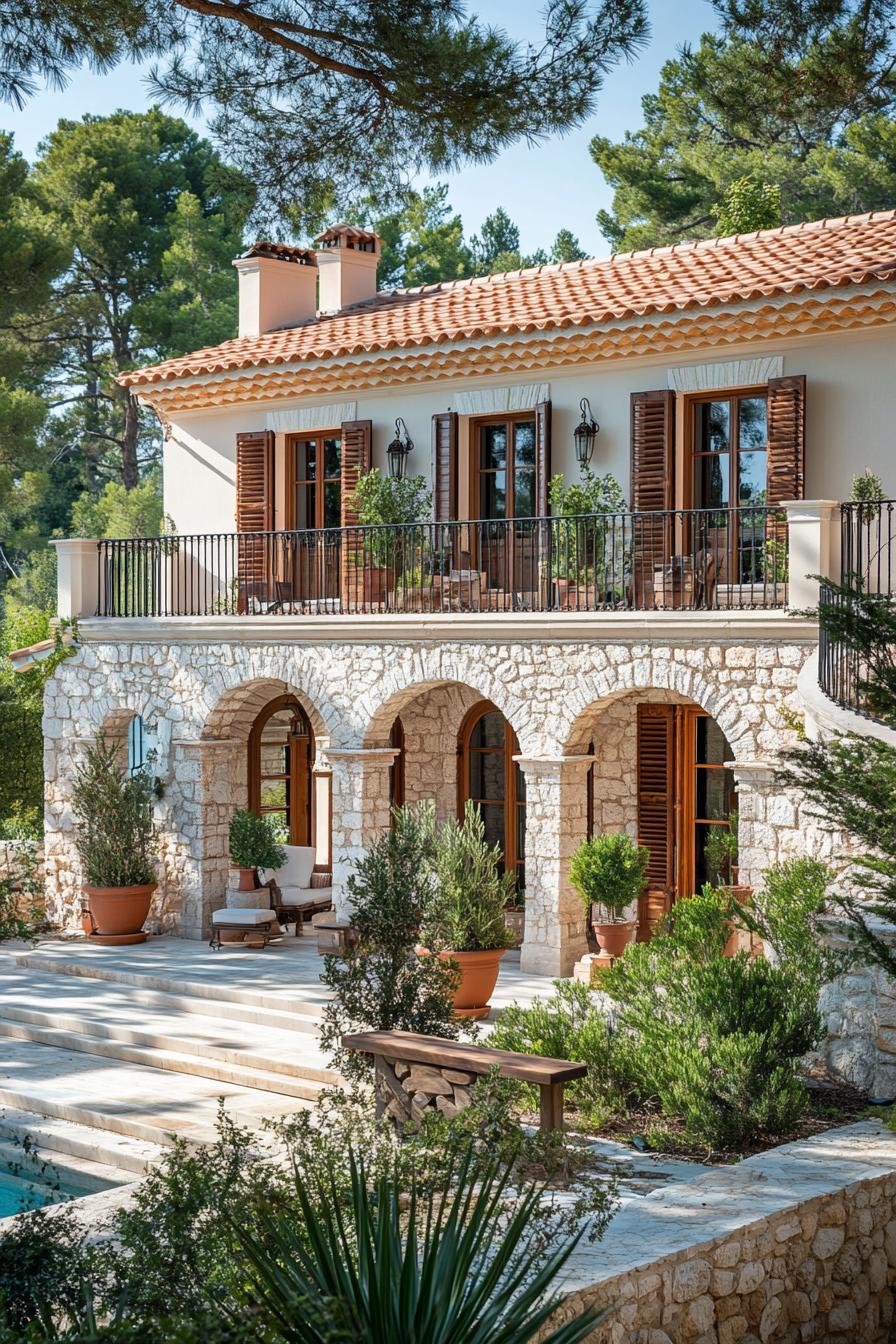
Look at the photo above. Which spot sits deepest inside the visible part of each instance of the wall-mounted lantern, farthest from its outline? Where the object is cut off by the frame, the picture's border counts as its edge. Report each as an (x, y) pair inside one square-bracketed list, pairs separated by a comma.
[(399, 450), (585, 433)]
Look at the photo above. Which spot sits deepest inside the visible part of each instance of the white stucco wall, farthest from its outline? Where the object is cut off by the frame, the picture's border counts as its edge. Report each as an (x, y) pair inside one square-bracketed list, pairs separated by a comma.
[(851, 408)]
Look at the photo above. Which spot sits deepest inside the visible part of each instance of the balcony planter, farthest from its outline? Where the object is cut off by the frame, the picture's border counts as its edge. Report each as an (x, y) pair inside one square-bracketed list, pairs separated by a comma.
[(118, 913), (742, 596), (377, 582)]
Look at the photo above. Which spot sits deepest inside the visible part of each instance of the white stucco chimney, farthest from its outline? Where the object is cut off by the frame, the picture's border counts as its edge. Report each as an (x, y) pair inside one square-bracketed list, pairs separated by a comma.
[(278, 288), (347, 259)]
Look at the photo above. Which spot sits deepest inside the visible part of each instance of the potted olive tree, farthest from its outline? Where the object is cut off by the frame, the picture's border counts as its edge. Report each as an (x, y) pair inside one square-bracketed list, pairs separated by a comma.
[(610, 872), (720, 856), (390, 508), (253, 845), (464, 923), (586, 548), (116, 841)]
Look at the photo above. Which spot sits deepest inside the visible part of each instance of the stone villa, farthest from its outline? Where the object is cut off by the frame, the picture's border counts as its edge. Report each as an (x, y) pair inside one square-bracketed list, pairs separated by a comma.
[(622, 670)]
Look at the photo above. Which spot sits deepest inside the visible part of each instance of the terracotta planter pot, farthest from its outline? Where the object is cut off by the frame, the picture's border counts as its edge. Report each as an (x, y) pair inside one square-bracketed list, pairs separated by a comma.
[(119, 912), (247, 880), (613, 939), (738, 940), (478, 977), (515, 921)]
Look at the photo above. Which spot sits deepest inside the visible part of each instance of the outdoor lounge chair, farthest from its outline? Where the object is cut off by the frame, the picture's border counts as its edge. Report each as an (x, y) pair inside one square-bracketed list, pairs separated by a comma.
[(297, 891)]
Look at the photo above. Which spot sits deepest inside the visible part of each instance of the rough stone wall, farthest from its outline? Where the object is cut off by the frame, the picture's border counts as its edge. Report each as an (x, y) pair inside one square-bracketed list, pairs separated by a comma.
[(431, 725), (822, 1271), (197, 701)]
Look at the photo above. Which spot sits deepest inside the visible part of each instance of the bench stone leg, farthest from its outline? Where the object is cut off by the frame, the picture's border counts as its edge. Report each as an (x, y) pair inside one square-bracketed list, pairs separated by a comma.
[(551, 1107)]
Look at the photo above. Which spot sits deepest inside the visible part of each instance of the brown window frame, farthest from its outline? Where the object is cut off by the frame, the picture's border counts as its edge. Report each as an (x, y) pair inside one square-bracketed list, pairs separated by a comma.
[(514, 862), (732, 395), (292, 482), (507, 420), (299, 778)]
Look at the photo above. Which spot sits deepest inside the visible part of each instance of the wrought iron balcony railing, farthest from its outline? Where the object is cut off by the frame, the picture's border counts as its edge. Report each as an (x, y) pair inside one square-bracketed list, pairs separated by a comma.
[(868, 568), (706, 559)]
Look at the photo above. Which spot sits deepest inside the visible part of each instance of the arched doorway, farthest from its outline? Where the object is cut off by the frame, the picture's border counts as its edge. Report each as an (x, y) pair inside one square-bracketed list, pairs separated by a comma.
[(280, 757), (492, 779)]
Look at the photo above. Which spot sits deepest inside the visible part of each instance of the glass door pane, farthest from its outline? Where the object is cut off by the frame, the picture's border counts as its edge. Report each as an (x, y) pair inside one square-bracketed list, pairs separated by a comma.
[(752, 487)]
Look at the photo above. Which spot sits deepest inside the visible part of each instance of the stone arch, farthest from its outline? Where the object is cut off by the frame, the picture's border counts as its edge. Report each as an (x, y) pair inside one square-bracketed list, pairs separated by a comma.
[(431, 668), (586, 701), (235, 711)]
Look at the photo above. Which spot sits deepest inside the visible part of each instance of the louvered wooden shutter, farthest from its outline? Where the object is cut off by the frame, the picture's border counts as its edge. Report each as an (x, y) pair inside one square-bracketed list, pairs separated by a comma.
[(356, 453), (444, 467), (254, 512), (656, 811), (542, 457), (652, 485), (786, 438)]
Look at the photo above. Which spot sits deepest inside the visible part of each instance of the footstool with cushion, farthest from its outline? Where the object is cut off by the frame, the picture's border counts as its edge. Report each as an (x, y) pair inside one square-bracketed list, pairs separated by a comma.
[(261, 923)]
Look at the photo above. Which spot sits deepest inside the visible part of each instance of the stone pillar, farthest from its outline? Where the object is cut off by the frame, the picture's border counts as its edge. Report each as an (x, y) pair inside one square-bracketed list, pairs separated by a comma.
[(206, 777), (556, 822), (77, 577), (813, 547), (360, 809)]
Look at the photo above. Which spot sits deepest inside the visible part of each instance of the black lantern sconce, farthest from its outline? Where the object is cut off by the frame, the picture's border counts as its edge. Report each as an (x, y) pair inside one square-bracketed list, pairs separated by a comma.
[(399, 450), (585, 434)]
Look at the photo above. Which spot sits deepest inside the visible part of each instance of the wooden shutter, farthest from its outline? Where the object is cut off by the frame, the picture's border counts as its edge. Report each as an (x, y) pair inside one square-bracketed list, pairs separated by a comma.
[(542, 457), (254, 513), (652, 486), (786, 438), (356, 452), (656, 811), (444, 466)]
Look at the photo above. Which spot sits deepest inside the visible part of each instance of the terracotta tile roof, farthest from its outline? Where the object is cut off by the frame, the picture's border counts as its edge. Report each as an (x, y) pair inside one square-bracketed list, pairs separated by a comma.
[(304, 256), (815, 256)]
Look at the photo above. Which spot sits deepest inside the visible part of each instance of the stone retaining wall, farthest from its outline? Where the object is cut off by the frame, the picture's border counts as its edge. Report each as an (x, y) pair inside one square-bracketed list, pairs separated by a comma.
[(820, 1270)]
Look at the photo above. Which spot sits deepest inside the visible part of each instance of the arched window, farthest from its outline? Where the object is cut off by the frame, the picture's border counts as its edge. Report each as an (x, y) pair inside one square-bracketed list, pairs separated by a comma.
[(137, 748), (281, 753), (491, 778), (396, 769)]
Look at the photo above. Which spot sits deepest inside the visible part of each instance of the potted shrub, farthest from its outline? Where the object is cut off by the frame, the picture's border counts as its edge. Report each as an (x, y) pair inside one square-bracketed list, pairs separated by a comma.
[(584, 551), (465, 922), (253, 845), (116, 841), (610, 872), (390, 506), (515, 918)]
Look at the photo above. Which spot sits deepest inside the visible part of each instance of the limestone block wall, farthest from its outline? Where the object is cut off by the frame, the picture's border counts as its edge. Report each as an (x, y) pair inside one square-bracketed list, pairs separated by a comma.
[(199, 697), (789, 1247)]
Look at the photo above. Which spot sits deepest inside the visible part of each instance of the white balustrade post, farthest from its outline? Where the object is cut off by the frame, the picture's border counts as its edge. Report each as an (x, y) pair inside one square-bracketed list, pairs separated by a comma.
[(77, 577), (813, 533)]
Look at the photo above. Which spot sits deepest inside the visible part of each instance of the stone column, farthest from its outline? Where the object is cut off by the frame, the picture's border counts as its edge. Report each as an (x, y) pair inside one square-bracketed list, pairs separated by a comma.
[(360, 809), (813, 547), (204, 790), (556, 822)]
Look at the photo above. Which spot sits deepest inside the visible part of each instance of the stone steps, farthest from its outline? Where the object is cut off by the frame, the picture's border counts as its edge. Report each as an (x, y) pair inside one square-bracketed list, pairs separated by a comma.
[(125, 1098), (58, 1138)]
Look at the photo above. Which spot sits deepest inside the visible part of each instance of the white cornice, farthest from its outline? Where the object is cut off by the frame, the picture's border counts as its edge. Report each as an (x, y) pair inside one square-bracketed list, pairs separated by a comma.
[(606, 627)]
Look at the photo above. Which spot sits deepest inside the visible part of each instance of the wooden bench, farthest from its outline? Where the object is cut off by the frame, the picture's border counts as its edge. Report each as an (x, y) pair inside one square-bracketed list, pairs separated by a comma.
[(409, 1066)]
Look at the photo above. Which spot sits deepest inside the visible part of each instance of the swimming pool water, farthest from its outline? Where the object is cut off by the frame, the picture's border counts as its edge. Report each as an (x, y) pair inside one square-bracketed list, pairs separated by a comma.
[(30, 1185)]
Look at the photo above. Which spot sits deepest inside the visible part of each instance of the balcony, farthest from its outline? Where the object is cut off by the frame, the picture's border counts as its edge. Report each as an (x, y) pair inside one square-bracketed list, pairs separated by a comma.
[(679, 560)]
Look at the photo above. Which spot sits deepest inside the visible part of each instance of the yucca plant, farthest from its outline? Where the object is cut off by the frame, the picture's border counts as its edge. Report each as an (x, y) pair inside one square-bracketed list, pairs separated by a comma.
[(392, 1258)]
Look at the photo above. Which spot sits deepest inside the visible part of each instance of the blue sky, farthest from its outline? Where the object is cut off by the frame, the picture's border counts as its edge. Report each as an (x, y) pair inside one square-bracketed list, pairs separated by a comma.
[(551, 186)]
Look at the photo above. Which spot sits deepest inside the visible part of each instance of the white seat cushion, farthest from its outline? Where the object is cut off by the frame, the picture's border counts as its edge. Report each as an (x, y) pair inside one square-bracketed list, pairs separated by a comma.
[(245, 917), (299, 896), (296, 871)]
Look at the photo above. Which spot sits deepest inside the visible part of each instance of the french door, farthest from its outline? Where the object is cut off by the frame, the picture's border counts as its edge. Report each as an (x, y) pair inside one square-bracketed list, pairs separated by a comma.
[(685, 791), (504, 495), (280, 757), (493, 780), (314, 494), (728, 435)]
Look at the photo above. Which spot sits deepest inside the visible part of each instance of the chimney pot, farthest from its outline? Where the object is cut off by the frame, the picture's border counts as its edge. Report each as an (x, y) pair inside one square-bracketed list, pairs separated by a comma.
[(347, 259), (277, 288)]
